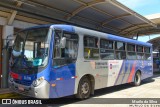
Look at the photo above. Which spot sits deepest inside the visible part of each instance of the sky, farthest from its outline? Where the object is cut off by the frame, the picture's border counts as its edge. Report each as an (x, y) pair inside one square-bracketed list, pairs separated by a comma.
[(144, 8)]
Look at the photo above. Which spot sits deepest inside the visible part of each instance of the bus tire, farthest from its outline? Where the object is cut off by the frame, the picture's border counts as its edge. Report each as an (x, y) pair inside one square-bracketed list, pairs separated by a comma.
[(137, 79), (84, 88)]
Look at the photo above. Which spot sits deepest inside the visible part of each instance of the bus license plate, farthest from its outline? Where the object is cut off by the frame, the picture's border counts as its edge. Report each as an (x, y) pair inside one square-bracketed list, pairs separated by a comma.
[(20, 88)]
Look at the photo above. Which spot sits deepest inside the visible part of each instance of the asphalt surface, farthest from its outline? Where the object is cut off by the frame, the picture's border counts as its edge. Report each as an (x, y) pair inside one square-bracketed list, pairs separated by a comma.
[(150, 88)]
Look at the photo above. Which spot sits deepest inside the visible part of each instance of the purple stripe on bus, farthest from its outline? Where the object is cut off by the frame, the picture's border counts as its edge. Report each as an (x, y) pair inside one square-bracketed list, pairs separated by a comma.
[(119, 73), (127, 65)]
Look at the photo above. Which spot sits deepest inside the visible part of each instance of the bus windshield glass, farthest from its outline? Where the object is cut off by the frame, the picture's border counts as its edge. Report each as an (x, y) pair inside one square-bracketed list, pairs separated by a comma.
[(31, 48)]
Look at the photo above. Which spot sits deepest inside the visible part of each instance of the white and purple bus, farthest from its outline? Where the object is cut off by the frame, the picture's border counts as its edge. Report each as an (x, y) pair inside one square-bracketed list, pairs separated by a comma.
[(52, 61)]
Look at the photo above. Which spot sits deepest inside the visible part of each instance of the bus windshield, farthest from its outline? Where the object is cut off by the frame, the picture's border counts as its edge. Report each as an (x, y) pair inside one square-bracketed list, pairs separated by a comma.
[(31, 48)]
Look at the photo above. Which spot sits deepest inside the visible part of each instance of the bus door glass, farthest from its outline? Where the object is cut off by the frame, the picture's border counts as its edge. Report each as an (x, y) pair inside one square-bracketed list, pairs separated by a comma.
[(68, 54)]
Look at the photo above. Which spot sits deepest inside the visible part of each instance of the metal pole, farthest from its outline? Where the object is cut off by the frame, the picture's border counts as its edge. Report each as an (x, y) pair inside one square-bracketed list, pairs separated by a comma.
[(5, 68), (0, 56), (159, 59)]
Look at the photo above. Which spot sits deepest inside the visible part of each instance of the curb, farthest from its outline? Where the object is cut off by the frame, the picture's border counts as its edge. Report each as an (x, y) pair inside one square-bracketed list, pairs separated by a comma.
[(5, 91)]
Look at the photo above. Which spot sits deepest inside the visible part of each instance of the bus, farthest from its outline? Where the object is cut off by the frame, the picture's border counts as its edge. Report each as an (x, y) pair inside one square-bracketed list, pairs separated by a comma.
[(52, 61)]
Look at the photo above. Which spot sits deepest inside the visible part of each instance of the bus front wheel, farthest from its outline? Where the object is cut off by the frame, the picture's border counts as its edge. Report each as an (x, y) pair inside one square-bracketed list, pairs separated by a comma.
[(84, 88), (137, 79)]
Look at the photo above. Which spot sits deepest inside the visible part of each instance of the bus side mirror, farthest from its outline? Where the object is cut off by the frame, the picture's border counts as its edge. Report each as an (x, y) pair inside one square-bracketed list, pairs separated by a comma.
[(63, 42)]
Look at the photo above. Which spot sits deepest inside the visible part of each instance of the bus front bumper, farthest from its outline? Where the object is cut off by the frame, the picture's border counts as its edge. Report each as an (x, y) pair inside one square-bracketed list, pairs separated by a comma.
[(41, 91)]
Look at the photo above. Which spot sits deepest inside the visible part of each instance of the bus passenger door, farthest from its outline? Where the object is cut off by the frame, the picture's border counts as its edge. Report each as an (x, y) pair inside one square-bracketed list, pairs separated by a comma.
[(63, 64)]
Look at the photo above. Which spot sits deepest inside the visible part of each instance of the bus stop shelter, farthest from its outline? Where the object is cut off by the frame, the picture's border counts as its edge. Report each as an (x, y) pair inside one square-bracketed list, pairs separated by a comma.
[(103, 15)]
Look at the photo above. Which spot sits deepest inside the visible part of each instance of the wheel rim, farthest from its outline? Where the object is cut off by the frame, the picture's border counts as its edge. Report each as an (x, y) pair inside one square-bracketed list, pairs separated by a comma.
[(137, 78), (85, 88)]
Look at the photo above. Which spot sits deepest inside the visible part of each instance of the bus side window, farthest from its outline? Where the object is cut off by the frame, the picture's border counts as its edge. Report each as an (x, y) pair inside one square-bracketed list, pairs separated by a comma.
[(106, 49), (91, 50), (140, 53), (147, 53), (131, 52), (120, 50)]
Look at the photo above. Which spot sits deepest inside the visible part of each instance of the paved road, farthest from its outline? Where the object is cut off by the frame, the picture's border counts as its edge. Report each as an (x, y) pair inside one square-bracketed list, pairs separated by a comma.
[(150, 88)]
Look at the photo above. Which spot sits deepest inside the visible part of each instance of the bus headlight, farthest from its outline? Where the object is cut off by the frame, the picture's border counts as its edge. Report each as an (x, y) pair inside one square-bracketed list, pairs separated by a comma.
[(38, 81)]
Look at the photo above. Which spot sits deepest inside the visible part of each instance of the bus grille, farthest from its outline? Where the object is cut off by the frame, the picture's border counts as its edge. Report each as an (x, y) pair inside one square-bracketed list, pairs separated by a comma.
[(23, 82)]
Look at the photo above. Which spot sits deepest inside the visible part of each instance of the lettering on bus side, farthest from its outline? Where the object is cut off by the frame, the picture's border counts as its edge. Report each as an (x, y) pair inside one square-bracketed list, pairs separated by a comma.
[(101, 65), (113, 66)]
